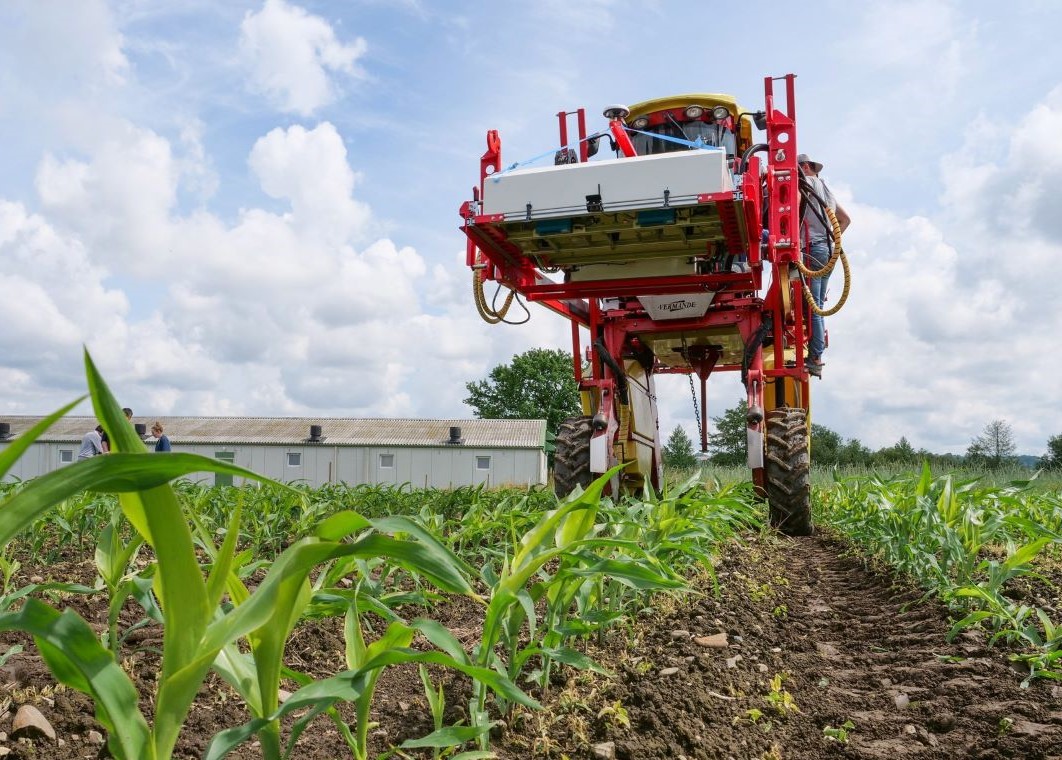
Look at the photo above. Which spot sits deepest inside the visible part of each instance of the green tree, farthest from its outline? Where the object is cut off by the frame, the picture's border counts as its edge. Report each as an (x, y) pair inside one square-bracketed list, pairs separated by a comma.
[(995, 447), (901, 452), (538, 384), (1052, 460), (728, 446), (826, 446), (678, 452)]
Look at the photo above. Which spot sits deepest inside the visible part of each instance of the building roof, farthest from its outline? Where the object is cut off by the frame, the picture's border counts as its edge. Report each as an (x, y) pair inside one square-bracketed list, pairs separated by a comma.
[(335, 431)]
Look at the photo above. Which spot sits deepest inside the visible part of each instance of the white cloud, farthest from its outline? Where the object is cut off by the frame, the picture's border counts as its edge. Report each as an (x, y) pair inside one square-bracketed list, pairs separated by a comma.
[(309, 168), (120, 201), (293, 56), (75, 46)]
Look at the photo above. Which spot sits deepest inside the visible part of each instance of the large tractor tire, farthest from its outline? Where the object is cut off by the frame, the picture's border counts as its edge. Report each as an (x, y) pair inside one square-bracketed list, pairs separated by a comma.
[(788, 471), (571, 460)]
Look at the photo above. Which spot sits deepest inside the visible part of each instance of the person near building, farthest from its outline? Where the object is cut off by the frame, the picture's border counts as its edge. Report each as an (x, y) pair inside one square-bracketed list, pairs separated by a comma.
[(91, 443), (818, 236), (162, 442)]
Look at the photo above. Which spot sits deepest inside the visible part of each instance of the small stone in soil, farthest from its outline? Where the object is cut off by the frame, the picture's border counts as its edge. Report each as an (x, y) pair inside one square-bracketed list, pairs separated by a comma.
[(29, 722), (731, 662), (604, 751), (680, 635), (902, 700), (715, 641), (668, 671)]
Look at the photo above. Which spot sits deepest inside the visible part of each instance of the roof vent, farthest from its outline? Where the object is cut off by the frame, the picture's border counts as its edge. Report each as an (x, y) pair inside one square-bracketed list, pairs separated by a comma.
[(141, 430), (455, 436), (5, 431), (315, 434)]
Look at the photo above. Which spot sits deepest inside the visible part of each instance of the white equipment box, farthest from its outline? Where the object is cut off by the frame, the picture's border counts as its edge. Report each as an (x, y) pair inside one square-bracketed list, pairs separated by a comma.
[(667, 179)]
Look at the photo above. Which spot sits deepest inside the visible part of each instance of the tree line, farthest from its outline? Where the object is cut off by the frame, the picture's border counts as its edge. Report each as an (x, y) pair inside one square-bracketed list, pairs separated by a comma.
[(993, 449), (538, 384)]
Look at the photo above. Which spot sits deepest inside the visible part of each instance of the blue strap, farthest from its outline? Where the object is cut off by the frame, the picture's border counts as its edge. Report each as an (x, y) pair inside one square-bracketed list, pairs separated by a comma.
[(539, 157), (518, 164), (699, 144)]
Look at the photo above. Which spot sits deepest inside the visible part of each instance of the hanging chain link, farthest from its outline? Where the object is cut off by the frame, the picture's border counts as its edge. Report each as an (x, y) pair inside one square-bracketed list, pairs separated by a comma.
[(693, 390), (696, 409)]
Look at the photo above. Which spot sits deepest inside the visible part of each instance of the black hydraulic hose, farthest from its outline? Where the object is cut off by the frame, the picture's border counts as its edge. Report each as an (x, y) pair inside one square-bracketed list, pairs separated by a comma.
[(749, 152), (621, 377), (808, 194), (750, 350)]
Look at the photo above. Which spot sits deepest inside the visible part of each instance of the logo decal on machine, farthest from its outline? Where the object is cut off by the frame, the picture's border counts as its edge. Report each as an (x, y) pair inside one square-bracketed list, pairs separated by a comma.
[(685, 306)]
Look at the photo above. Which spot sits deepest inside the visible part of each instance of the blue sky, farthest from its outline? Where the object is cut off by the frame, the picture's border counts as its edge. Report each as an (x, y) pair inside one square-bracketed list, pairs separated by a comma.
[(251, 207)]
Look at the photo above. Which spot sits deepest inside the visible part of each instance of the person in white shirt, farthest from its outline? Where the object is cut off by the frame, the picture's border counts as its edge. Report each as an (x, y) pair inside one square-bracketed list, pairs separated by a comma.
[(817, 237), (91, 444)]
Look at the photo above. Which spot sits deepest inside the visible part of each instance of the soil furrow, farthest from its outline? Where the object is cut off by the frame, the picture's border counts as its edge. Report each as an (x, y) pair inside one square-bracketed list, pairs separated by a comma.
[(849, 645)]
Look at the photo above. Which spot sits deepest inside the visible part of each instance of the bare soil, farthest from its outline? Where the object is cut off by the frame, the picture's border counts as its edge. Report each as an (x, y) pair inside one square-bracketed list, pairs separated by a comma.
[(812, 639)]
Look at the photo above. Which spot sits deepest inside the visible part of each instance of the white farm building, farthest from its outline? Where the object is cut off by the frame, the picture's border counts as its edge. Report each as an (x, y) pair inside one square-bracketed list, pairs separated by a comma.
[(315, 451)]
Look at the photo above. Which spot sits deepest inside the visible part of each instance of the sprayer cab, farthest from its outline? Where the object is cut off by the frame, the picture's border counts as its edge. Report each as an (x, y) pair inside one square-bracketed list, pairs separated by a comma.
[(712, 119)]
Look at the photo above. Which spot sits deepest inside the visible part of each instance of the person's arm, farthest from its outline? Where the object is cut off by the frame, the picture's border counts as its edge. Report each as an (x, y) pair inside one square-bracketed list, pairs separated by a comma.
[(842, 218)]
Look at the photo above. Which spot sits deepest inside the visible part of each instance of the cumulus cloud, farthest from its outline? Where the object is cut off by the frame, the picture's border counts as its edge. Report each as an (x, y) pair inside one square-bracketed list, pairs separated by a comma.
[(119, 201), (948, 316), (309, 168), (294, 58), (273, 311)]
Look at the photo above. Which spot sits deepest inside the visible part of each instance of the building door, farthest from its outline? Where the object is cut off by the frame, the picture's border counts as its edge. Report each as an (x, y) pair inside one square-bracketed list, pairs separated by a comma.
[(220, 478)]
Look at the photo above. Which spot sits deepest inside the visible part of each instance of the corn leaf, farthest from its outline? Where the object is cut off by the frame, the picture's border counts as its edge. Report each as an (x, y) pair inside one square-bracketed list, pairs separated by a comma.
[(451, 736), (78, 660)]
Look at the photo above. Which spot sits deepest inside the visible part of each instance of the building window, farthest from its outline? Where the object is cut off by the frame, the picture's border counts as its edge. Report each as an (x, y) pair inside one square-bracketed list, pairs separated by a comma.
[(387, 461), (482, 463), (294, 459), (66, 455), (224, 478)]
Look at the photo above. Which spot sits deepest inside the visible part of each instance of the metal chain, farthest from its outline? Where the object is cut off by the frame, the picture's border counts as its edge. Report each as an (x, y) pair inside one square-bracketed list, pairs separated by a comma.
[(696, 408)]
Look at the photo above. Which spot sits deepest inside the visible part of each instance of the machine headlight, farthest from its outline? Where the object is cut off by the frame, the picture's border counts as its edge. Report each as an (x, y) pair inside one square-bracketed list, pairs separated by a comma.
[(641, 122), (694, 112), (719, 113)]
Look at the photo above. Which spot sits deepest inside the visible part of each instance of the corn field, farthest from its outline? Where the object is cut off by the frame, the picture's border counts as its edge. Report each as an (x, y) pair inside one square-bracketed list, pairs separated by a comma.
[(230, 575)]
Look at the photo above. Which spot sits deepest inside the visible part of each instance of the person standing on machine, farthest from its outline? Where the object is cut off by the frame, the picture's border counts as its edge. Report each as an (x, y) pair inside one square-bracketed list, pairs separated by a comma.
[(818, 238)]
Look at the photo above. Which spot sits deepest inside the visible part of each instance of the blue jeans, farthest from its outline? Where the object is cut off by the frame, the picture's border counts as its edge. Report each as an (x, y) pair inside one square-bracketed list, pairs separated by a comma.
[(818, 255)]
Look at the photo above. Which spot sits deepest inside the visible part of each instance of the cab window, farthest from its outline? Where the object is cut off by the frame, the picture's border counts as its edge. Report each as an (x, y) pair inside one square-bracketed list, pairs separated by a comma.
[(710, 134)]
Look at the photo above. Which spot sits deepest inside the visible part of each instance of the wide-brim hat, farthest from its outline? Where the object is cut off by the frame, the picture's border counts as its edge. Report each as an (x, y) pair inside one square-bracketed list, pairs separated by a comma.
[(803, 159)]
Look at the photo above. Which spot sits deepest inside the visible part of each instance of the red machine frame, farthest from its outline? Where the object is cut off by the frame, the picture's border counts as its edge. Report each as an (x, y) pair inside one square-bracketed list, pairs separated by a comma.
[(773, 182)]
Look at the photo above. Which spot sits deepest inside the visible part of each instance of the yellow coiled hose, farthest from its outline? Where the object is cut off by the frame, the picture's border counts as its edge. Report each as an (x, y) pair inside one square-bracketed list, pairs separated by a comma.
[(838, 253), (489, 315)]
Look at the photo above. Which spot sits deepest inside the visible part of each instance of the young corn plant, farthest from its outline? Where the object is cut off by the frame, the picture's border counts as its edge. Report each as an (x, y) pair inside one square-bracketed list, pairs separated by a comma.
[(194, 634), (444, 740), (257, 673), (113, 558)]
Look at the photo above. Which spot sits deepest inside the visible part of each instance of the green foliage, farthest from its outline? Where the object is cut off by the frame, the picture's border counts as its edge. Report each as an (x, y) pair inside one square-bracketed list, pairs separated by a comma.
[(965, 542), (538, 384), (1052, 460), (729, 444), (994, 448), (678, 451), (236, 570), (828, 449)]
